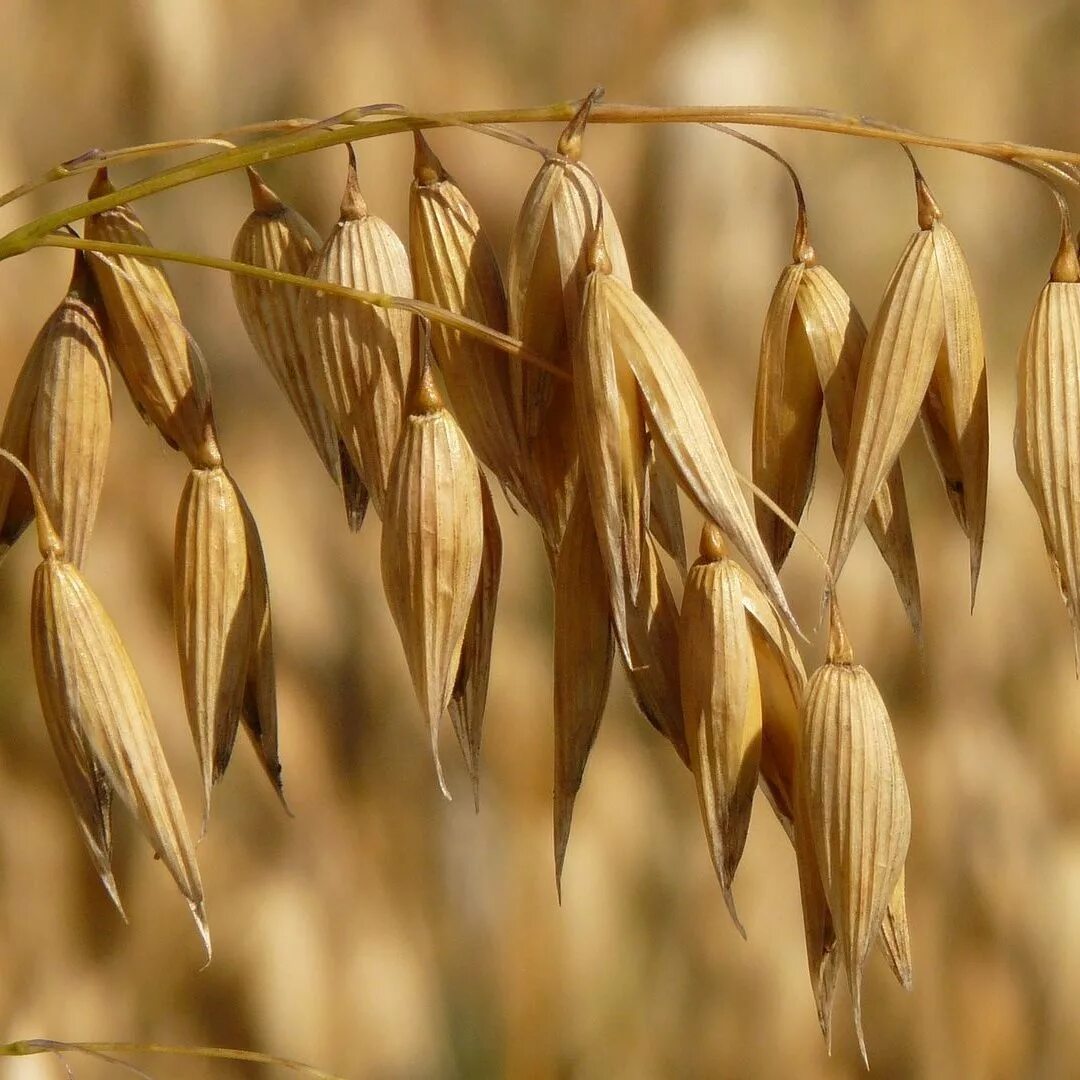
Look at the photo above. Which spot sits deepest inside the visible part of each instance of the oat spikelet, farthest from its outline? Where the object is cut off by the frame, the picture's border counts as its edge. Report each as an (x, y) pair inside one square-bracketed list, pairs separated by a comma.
[(857, 802), (276, 237), (546, 276), (433, 549), (612, 441), (1047, 407), (213, 615), (454, 267), (59, 421), (164, 372), (90, 691), (837, 336), (365, 353), (679, 417), (787, 412), (584, 649), (469, 700), (721, 704), (924, 354)]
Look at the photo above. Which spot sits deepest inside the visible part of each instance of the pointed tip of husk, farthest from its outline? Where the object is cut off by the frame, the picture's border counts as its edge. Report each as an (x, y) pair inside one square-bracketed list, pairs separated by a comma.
[(839, 648), (353, 490), (439, 775), (427, 168), (198, 913), (353, 207), (263, 199), (569, 145), (729, 900), (856, 1009), (562, 839), (109, 883), (101, 184)]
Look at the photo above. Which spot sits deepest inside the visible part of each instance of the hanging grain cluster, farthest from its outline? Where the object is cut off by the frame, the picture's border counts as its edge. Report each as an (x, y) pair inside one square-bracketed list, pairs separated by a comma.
[(578, 405)]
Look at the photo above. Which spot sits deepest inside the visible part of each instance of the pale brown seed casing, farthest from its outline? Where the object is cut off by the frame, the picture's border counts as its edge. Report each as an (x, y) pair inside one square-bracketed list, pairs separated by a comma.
[(212, 610), (584, 650), (837, 336), (72, 416), (164, 372), (469, 699), (787, 415), (454, 267), (432, 550), (721, 698), (78, 651), (365, 352), (276, 237), (857, 802), (1045, 440)]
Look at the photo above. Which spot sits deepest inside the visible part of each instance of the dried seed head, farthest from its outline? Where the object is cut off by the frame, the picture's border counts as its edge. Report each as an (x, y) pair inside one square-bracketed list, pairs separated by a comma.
[(924, 354), (679, 418), (721, 698), (584, 649), (212, 608), (61, 414), (837, 337), (432, 549), (276, 237), (787, 415), (454, 267), (1048, 402), (365, 353), (857, 802), (95, 706), (612, 441), (469, 699), (546, 273), (161, 366)]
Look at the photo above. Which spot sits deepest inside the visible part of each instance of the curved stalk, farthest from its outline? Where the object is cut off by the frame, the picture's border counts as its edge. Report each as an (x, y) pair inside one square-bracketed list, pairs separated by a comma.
[(289, 143)]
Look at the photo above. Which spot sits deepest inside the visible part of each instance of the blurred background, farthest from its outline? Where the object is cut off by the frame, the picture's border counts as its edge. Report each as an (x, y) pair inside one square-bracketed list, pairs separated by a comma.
[(384, 932)]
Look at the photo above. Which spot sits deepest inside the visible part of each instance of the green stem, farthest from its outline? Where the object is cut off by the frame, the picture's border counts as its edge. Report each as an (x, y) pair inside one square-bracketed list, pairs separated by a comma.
[(502, 342), (290, 143), (27, 1047)]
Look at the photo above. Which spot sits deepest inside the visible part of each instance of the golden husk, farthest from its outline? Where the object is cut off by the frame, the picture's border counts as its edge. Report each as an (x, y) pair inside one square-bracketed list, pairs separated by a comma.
[(454, 267), (364, 352), (276, 237), (163, 370), (584, 650), (721, 698), (88, 684), (469, 699), (432, 550), (859, 816)]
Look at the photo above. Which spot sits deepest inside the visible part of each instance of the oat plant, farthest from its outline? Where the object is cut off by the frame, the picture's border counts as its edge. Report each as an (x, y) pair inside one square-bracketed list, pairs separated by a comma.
[(440, 393)]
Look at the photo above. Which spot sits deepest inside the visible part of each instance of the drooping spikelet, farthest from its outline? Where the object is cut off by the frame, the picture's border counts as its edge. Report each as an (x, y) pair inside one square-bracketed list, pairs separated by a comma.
[(1047, 407), (469, 699), (163, 370), (546, 274), (365, 353), (454, 267), (432, 549), (96, 710), (59, 420), (721, 698), (276, 237), (925, 353), (858, 813), (221, 610), (584, 649)]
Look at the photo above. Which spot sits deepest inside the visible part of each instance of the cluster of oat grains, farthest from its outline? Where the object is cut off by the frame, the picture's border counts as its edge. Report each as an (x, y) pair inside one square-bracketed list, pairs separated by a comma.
[(565, 392)]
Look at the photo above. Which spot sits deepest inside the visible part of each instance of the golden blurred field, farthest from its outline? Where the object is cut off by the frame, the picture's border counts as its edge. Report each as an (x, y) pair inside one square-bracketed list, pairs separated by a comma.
[(383, 932)]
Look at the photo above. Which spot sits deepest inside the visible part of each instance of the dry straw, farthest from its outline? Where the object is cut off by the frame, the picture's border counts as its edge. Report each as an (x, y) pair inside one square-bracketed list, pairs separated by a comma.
[(572, 392)]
